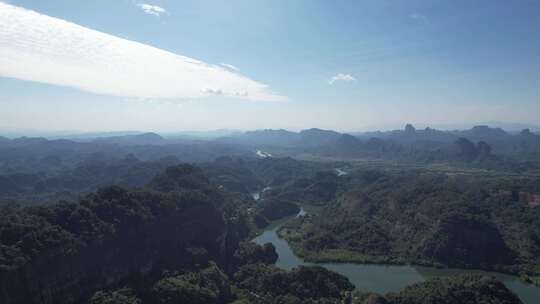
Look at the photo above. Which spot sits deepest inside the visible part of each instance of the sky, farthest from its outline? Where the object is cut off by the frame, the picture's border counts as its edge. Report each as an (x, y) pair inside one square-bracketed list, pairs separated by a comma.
[(167, 66)]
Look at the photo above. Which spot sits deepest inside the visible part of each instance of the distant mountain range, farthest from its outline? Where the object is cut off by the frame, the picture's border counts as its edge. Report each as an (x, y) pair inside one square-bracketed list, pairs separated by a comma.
[(213, 134), (284, 138), (138, 139), (482, 144), (511, 127), (409, 135), (409, 142)]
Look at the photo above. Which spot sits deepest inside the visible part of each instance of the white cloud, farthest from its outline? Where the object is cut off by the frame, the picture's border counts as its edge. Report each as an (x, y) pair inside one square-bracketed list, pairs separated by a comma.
[(40, 48), (341, 77), (418, 17), (230, 66), (152, 9)]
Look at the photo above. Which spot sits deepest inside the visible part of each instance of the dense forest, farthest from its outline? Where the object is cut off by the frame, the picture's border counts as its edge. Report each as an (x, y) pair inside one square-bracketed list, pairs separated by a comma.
[(480, 147), (426, 219), (177, 240), (122, 220), (269, 152), (459, 289)]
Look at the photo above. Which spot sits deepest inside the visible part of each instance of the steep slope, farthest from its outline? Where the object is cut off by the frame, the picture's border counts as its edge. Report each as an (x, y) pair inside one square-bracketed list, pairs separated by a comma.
[(425, 219), (63, 252), (453, 290)]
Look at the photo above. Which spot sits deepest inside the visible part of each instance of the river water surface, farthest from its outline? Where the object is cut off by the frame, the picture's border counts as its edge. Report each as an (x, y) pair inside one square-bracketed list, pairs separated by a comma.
[(388, 278)]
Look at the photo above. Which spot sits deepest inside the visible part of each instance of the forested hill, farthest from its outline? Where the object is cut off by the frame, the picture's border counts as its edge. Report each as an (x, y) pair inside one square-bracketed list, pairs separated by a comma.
[(65, 251), (387, 143), (179, 239), (33, 155), (482, 146), (456, 290), (427, 219)]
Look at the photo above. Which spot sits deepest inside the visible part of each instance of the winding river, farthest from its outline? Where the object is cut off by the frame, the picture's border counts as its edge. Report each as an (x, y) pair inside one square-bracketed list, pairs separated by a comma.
[(388, 278)]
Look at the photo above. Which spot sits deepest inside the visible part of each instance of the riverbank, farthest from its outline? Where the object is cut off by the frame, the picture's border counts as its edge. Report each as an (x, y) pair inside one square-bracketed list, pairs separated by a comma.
[(382, 278), (347, 256), (534, 280)]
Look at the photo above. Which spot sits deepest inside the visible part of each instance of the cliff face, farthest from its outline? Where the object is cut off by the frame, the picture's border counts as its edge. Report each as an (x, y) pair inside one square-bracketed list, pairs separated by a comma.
[(107, 238)]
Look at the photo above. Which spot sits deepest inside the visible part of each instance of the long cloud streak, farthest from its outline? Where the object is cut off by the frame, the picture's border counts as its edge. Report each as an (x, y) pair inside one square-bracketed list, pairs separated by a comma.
[(40, 48)]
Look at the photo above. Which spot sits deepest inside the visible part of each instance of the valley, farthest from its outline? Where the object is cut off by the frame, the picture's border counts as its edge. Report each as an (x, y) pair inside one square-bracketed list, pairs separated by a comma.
[(147, 227), (269, 152), (387, 278)]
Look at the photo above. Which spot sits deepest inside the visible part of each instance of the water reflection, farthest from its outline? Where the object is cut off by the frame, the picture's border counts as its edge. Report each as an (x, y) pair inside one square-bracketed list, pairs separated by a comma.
[(388, 278)]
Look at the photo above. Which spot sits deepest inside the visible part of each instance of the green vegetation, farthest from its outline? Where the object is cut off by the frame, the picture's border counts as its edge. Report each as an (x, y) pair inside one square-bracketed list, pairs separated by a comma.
[(269, 284), (67, 183), (67, 249), (250, 253), (275, 209), (207, 286), (283, 184), (181, 235), (453, 290), (120, 296), (530, 279), (427, 219), (176, 241)]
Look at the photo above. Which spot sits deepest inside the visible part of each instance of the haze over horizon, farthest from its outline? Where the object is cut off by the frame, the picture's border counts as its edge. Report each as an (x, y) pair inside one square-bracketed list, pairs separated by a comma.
[(168, 66), (269, 152)]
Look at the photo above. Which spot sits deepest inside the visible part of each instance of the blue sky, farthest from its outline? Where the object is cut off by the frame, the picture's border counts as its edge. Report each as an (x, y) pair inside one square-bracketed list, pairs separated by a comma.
[(345, 65)]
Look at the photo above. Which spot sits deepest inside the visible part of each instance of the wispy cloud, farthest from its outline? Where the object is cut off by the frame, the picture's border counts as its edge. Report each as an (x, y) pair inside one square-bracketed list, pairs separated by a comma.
[(418, 17), (152, 9), (40, 48), (341, 77), (230, 66)]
